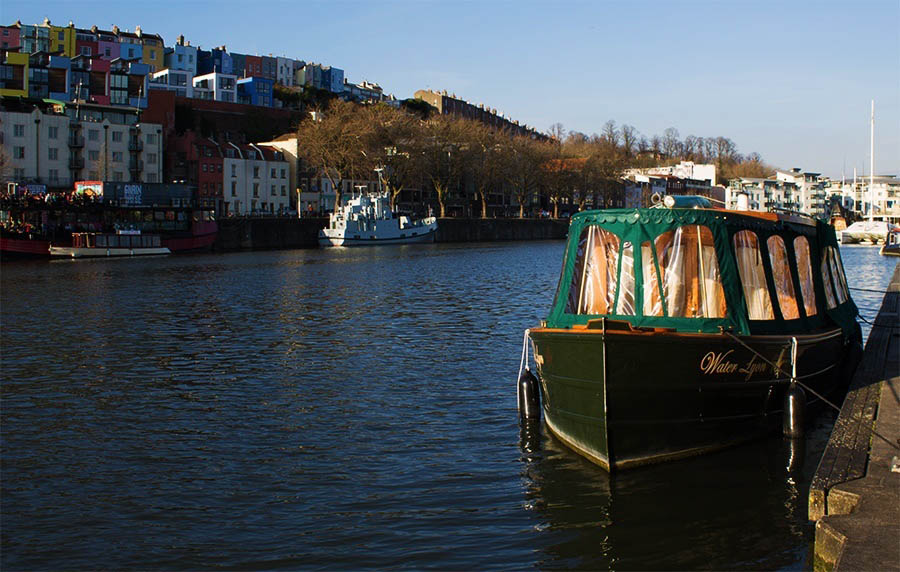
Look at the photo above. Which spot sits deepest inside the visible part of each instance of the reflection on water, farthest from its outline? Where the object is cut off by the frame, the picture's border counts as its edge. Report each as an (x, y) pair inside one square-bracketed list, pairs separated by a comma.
[(339, 409)]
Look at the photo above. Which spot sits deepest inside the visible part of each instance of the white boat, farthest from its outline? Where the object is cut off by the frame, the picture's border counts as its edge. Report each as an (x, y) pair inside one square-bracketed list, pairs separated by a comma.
[(368, 220), (872, 231), (120, 243)]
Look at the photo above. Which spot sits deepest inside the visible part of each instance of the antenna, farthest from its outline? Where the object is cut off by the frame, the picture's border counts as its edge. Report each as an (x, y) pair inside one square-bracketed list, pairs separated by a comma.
[(872, 165)]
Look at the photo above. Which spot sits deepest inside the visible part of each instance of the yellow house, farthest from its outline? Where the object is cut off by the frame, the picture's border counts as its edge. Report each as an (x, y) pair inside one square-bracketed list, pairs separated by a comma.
[(62, 39), (154, 50), (17, 84)]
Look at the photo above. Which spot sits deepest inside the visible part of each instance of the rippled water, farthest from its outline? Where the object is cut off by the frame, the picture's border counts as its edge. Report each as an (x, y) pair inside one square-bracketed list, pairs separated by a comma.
[(340, 409)]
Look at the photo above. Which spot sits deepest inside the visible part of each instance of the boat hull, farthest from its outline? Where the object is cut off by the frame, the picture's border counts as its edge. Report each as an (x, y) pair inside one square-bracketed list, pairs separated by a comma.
[(337, 239), (24, 247), (78, 252), (625, 399)]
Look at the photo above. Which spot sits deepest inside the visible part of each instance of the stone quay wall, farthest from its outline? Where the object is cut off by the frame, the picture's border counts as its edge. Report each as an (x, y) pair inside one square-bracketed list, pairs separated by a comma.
[(279, 233)]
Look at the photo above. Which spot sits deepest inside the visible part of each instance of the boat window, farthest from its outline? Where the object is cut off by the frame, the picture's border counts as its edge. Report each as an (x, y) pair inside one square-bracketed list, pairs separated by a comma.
[(781, 273), (826, 281), (692, 286), (652, 301), (804, 273), (753, 277), (594, 280), (625, 301), (837, 273), (101, 240)]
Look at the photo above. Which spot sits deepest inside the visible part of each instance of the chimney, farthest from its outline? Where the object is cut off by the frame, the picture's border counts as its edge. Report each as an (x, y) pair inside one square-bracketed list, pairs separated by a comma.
[(115, 29), (179, 41), (94, 28), (137, 30)]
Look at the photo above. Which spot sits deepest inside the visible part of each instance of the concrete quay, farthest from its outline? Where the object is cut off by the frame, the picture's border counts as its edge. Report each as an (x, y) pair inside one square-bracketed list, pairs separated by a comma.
[(267, 233), (854, 496)]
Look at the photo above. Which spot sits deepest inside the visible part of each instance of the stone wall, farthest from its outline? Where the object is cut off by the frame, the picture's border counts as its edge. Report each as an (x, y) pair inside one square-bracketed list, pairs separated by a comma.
[(277, 233)]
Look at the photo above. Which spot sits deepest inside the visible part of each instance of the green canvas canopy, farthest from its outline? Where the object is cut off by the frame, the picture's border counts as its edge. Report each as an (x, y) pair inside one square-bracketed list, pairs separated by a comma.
[(641, 241)]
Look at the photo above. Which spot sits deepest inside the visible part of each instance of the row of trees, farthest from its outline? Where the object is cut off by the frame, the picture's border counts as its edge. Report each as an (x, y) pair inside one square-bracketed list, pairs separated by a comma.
[(462, 158)]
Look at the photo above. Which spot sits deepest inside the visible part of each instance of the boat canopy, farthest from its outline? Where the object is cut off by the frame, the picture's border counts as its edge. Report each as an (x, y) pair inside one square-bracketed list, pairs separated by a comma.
[(701, 270)]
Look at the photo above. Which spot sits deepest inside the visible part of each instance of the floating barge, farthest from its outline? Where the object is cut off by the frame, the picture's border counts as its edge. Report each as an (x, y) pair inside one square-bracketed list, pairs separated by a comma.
[(677, 331)]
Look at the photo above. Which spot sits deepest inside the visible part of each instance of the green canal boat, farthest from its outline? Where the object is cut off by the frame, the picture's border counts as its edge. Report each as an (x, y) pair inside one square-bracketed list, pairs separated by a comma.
[(678, 331)]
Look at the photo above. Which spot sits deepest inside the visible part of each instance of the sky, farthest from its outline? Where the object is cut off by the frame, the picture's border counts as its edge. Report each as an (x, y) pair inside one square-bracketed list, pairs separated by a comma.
[(790, 80)]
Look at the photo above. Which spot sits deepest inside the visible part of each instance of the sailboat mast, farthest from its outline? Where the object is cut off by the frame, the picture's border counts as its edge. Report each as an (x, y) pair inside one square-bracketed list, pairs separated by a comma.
[(872, 164)]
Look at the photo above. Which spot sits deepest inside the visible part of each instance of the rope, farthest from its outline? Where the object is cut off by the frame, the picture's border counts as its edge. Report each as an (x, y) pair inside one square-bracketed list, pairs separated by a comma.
[(524, 354), (806, 387), (870, 290), (877, 325), (780, 371)]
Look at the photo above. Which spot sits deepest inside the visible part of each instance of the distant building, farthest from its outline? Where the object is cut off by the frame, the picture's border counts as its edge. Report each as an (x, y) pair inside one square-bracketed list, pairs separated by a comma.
[(56, 144), (255, 91), (216, 87), (182, 57), (451, 105)]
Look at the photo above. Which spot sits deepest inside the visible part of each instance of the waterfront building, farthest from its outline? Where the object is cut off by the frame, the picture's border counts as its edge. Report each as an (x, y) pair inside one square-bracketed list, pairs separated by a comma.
[(172, 79), (9, 37), (449, 104), (130, 47), (365, 92), (55, 144), (33, 38), (252, 66), (256, 180), (255, 91), (182, 57), (216, 87), (153, 49), (13, 74), (683, 170), (89, 80), (318, 76), (62, 39), (217, 60), (810, 188), (86, 43), (284, 71), (269, 67), (108, 46)]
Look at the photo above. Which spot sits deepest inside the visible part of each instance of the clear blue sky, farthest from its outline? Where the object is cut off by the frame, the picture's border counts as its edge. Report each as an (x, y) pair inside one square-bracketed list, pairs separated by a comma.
[(790, 80)]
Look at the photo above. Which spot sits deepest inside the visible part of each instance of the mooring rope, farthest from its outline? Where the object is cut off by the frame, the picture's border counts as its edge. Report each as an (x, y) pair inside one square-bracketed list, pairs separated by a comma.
[(778, 370), (869, 290), (874, 325), (524, 354)]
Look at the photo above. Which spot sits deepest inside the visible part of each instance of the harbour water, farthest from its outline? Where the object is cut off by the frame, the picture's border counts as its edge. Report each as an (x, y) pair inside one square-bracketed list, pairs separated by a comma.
[(349, 409)]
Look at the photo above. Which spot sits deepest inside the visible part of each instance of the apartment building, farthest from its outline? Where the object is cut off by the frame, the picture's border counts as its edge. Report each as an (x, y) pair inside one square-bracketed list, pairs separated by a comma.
[(256, 179), (56, 144), (449, 104), (216, 87)]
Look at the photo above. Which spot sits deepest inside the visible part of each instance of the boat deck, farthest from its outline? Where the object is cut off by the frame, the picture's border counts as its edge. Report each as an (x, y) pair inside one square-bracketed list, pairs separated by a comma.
[(854, 496)]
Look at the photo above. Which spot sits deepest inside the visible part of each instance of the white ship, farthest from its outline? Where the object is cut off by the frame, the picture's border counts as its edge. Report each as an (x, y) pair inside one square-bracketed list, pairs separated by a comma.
[(870, 231), (368, 220)]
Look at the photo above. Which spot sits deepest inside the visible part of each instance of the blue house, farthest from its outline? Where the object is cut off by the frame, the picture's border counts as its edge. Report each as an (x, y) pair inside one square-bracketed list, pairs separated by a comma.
[(255, 91)]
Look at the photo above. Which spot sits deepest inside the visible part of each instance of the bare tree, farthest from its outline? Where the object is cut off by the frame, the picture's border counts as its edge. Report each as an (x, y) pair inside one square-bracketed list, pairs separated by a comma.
[(522, 169), (485, 150), (630, 137), (610, 133), (393, 143), (671, 145), (332, 142), (444, 157)]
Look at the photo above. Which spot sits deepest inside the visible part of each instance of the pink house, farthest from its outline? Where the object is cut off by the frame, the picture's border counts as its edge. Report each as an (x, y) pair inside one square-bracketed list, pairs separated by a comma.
[(9, 37)]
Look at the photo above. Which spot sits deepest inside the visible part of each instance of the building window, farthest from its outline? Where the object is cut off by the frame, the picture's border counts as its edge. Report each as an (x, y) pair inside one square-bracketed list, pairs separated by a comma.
[(151, 177), (93, 134), (117, 156), (151, 158), (18, 152), (117, 136), (85, 50), (274, 191), (94, 155), (54, 175), (273, 172), (117, 176), (233, 188), (204, 167), (52, 153), (151, 138), (18, 130), (283, 191), (255, 189), (283, 174), (53, 132), (233, 170), (255, 172)]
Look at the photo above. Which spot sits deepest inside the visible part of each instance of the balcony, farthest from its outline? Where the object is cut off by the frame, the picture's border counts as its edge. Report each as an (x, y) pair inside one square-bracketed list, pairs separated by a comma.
[(135, 145), (136, 165), (76, 162), (76, 141)]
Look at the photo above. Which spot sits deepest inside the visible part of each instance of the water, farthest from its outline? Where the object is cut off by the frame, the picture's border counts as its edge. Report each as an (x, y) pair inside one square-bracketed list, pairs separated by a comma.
[(350, 409)]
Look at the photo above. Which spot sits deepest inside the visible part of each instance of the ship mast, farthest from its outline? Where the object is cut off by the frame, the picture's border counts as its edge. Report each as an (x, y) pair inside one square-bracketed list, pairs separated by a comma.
[(872, 164)]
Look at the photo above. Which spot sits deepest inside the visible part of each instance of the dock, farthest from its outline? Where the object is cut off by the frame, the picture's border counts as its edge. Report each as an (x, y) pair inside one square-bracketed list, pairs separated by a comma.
[(854, 496)]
